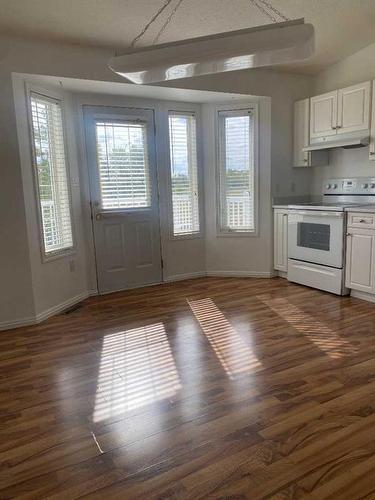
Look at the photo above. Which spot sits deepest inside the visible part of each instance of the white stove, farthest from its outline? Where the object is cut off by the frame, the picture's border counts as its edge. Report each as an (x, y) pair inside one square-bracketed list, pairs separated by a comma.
[(316, 233)]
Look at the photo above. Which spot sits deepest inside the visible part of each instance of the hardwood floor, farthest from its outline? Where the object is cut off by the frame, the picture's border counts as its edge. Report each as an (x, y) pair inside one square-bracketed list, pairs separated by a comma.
[(208, 388)]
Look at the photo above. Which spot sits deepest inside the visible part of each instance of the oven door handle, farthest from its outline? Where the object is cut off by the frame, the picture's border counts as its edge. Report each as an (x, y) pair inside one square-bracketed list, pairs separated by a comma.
[(317, 213)]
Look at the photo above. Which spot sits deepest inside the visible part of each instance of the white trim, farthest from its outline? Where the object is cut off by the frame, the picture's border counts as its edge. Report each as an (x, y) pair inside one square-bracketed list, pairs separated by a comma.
[(196, 113), (59, 98), (240, 274), (8, 325), (252, 106), (61, 307), (38, 318), (362, 295), (280, 274), (186, 276)]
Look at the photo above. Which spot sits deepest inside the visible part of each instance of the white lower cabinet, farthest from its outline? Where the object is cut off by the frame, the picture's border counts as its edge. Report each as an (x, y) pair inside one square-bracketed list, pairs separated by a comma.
[(360, 258), (281, 239)]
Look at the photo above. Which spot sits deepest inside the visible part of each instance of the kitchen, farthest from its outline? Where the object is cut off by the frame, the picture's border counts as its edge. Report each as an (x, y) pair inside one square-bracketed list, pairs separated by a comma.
[(328, 243)]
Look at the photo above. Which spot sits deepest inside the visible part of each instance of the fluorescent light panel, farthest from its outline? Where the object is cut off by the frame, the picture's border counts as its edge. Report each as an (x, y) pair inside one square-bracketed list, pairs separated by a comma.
[(277, 43)]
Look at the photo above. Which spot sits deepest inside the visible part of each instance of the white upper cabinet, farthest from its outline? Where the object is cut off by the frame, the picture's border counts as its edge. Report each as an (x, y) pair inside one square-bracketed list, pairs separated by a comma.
[(301, 133), (342, 111), (323, 115), (353, 108), (301, 138)]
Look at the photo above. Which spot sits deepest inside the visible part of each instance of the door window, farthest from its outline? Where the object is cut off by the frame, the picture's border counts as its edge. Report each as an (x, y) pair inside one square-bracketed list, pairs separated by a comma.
[(123, 164), (316, 236)]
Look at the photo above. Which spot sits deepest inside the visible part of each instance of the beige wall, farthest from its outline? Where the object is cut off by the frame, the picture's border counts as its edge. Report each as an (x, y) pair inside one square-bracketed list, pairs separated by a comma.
[(356, 68), (238, 255), (64, 278), (19, 275)]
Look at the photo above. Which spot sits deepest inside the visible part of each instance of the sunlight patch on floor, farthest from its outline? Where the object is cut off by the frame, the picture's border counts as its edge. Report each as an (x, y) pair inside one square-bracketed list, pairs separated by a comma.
[(326, 339), (232, 351), (136, 369)]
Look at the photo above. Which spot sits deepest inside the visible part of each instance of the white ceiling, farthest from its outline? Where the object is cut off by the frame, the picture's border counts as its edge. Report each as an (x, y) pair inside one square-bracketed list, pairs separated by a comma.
[(342, 26)]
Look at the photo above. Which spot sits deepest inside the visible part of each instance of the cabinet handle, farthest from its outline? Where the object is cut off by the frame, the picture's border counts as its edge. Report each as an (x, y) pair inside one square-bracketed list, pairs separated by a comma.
[(285, 215), (372, 153), (339, 126), (362, 220), (349, 234)]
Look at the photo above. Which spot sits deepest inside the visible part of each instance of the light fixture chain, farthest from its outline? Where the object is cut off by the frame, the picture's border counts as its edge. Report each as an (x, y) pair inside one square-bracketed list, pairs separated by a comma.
[(276, 11), (264, 11), (153, 19), (272, 13), (170, 17)]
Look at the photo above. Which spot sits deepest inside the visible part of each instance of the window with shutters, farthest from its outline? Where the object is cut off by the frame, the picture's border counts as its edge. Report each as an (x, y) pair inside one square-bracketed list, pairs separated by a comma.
[(50, 164), (123, 164), (184, 173), (237, 171)]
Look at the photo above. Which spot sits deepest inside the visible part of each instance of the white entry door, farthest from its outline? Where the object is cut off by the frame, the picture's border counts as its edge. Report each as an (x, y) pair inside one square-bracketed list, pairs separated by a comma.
[(125, 210)]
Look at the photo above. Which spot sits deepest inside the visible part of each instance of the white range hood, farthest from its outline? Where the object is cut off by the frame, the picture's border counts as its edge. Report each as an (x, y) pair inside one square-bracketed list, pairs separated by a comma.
[(343, 142), (267, 45)]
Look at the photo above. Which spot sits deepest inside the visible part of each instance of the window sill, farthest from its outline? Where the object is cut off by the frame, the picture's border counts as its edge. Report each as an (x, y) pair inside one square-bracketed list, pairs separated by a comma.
[(188, 236), (58, 255), (237, 234)]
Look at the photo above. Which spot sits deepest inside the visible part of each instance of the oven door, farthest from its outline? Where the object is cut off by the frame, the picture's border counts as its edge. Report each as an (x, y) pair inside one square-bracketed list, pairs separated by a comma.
[(316, 236)]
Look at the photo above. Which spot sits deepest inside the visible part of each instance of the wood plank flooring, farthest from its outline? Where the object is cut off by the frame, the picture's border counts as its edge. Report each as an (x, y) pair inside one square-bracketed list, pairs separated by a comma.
[(203, 389)]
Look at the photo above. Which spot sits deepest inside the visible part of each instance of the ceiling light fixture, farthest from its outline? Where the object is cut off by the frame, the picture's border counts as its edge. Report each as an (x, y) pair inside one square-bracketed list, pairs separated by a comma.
[(277, 43)]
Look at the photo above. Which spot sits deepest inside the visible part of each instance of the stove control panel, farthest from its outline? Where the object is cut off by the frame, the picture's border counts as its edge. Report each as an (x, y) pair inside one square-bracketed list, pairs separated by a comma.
[(351, 186)]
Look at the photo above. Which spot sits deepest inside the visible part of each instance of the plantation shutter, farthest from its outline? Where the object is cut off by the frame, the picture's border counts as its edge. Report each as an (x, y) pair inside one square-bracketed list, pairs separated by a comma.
[(51, 172), (123, 164), (236, 157), (184, 173)]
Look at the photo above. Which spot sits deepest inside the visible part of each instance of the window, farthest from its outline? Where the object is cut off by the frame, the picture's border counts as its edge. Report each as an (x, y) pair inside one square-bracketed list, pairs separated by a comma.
[(236, 171), (123, 164), (184, 173), (51, 173)]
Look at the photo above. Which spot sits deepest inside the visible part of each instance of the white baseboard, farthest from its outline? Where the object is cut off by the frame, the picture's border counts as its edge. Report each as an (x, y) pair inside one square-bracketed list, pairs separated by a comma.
[(362, 295), (8, 325), (281, 274), (186, 276), (240, 274), (38, 318), (33, 320), (61, 307)]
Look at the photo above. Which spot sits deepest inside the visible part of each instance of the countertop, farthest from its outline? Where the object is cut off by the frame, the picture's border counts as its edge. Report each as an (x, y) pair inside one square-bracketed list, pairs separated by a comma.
[(361, 208)]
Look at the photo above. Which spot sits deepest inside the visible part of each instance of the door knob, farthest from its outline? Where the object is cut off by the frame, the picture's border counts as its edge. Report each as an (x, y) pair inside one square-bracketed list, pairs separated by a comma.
[(98, 216)]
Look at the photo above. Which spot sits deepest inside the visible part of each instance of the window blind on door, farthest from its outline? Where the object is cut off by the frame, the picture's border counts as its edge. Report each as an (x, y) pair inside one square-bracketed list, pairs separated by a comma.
[(236, 177), (123, 164), (184, 173), (51, 172)]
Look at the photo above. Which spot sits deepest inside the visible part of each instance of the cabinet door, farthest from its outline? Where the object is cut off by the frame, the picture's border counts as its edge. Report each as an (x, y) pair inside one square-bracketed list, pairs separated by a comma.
[(281, 240), (360, 258), (354, 108), (372, 134), (301, 133), (323, 115)]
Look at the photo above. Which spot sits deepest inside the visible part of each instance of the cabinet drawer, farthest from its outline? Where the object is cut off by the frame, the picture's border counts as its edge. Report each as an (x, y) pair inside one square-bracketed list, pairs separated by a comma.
[(361, 220)]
